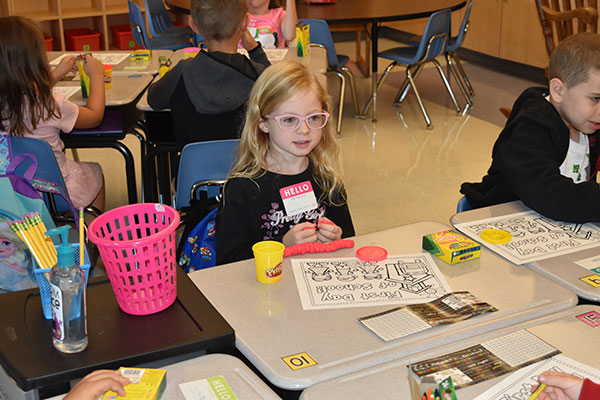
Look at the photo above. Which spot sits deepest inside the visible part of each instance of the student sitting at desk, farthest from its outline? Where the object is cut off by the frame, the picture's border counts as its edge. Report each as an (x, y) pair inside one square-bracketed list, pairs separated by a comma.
[(207, 94), (270, 24), (286, 147), (547, 154), (30, 109)]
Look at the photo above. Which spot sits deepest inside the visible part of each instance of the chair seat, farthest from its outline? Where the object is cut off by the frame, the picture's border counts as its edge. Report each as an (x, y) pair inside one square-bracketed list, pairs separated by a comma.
[(402, 55), (168, 43)]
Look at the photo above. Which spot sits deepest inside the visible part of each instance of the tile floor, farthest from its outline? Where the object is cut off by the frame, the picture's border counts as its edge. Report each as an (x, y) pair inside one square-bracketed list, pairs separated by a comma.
[(397, 172)]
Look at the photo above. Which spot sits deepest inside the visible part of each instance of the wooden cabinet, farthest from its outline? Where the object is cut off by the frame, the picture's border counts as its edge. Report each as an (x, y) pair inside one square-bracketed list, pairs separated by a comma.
[(507, 29), (55, 16)]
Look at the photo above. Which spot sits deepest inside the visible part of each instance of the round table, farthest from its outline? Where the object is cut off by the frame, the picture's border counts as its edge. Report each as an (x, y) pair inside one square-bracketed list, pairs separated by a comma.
[(365, 12)]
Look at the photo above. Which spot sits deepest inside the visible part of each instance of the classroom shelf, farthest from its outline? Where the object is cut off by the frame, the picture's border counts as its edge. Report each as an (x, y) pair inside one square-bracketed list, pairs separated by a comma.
[(57, 15)]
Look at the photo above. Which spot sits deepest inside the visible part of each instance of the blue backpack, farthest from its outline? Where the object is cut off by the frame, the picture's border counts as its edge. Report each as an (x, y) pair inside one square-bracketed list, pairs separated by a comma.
[(199, 249), (20, 194)]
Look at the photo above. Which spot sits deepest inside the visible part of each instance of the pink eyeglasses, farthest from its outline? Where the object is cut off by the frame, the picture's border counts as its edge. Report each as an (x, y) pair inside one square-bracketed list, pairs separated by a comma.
[(291, 122)]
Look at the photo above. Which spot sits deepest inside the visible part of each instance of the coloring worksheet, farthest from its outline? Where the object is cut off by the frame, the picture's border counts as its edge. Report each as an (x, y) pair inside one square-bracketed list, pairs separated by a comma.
[(350, 282), (518, 384), (532, 236), (104, 58)]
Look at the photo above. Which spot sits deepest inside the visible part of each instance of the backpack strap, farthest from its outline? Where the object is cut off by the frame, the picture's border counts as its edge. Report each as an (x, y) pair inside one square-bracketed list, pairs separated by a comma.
[(43, 185), (22, 185)]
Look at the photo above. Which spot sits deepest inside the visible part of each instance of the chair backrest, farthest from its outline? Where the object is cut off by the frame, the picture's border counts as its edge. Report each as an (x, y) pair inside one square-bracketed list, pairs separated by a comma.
[(320, 34), (455, 42), (435, 37), (204, 162), (138, 25), (48, 168), (559, 19), (463, 205), (158, 17)]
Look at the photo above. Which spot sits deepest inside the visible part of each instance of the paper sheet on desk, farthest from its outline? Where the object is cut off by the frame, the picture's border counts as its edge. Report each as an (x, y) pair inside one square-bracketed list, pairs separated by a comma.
[(518, 384), (274, 55), (104, 58), (350, 282), (534, 237), (214, 388), (66, 91)]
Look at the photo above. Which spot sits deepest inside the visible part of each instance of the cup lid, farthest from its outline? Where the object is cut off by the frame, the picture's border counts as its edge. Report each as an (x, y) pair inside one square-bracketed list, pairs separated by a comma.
[(371, 253)]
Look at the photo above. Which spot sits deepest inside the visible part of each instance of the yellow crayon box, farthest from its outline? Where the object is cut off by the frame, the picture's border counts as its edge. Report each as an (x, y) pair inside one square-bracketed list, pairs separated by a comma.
[(146, 384), (451, 246), (302, 40)]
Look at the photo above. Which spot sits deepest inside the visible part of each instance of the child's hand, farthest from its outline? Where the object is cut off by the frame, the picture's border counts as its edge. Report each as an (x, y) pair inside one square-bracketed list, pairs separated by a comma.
[(328, 231), (96, 383), (560, 386), (305, 232), (93, 67), (66, 65), (248, 41)]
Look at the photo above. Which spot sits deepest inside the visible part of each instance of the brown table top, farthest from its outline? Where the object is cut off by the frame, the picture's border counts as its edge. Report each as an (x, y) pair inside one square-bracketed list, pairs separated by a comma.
[(360, 11)]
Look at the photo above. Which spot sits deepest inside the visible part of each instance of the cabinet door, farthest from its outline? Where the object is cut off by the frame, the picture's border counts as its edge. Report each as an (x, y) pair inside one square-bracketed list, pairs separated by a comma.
[(521, 38), (484, 27)]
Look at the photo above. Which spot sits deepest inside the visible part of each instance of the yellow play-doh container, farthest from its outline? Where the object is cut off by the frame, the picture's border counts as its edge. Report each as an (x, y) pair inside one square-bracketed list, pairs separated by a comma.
[(268, 259)]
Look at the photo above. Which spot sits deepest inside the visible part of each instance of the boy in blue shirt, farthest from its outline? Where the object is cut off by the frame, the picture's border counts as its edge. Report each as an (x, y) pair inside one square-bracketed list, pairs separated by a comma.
[(547, 154), (207, 94)]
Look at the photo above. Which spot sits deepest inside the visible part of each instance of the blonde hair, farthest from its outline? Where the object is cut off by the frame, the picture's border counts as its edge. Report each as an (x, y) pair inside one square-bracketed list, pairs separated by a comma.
[(574, 57), (218, 19), (277, 84)]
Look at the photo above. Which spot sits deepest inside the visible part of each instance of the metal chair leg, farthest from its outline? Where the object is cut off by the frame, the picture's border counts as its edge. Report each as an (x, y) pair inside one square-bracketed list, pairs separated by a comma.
[(453, 71), (403, 91), (385, 74), (352, 91), (338, 128), (447, 84), (421, 105), (463, 74)]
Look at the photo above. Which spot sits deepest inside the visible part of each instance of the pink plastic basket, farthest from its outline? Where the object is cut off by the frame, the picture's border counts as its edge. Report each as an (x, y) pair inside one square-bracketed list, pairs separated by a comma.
[(137, 245)]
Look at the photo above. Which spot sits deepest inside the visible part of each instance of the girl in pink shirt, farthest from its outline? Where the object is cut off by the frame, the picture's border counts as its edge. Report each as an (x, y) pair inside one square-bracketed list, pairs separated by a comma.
[(270, 24), (29, 108)]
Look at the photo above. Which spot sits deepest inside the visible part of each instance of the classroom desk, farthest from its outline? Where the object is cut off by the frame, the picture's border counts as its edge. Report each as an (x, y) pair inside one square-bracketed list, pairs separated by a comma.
[(242, 381), (390, 380), (160, 140), (561, 269), (125, 67), (118, 122), (116, 339), (270, 323)]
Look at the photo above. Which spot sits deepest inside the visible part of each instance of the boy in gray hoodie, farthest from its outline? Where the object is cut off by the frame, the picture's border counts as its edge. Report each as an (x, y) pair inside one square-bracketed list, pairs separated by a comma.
[(207, 94)]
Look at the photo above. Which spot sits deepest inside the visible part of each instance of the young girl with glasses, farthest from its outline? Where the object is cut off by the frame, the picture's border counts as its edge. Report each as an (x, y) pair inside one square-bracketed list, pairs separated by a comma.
[(286, 185)]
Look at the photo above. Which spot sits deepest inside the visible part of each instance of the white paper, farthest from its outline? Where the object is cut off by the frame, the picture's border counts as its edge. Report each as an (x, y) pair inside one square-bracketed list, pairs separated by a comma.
[(104, 58), (592, 263), (274, 55), (534, 237), (66, 91), (518, 385), (215, 388), (350, 282)]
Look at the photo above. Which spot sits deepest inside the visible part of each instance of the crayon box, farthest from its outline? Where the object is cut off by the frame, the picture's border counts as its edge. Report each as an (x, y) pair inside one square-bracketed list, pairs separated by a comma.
[(451, 246), (302, 40), (146, 384)]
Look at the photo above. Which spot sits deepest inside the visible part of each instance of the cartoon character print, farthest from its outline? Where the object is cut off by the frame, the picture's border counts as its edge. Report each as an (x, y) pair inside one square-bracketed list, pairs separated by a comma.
[(16, 265), (211, 229), (206, 253)]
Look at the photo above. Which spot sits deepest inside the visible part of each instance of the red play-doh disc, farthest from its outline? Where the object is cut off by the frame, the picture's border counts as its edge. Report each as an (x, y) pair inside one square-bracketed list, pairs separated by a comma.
[(371, 253)]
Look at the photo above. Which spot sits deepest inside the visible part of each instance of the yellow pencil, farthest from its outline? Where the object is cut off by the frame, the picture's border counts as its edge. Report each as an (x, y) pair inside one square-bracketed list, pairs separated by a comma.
[(537, 392), (43, 230), (47, 250), (81, 248), (16, 227), (38, 243)]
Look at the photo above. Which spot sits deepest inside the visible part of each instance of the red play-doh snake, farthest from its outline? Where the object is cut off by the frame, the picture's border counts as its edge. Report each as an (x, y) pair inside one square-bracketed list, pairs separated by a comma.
[(318, 247)]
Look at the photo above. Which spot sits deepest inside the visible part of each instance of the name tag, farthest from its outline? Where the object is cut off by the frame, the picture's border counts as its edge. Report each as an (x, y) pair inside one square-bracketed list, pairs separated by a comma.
[(298, 198)]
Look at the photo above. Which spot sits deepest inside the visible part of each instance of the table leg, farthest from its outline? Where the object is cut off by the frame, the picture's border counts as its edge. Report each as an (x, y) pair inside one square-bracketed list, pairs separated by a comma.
[(374, 51)]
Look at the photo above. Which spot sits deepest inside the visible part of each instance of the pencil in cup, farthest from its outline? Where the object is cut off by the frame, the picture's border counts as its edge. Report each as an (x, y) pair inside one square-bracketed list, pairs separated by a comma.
[(47, 248)]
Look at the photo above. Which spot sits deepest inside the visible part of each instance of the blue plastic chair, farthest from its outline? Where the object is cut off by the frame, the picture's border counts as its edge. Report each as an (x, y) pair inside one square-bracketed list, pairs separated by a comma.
[(160, 23), (463, 205), (454, 43), (321, 36), (48, 169), (204, 165), (432, 44), (153, 43)]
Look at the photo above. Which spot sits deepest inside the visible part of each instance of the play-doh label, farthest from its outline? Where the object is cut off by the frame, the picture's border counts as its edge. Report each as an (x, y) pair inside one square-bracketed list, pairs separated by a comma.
[(273, 272)]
